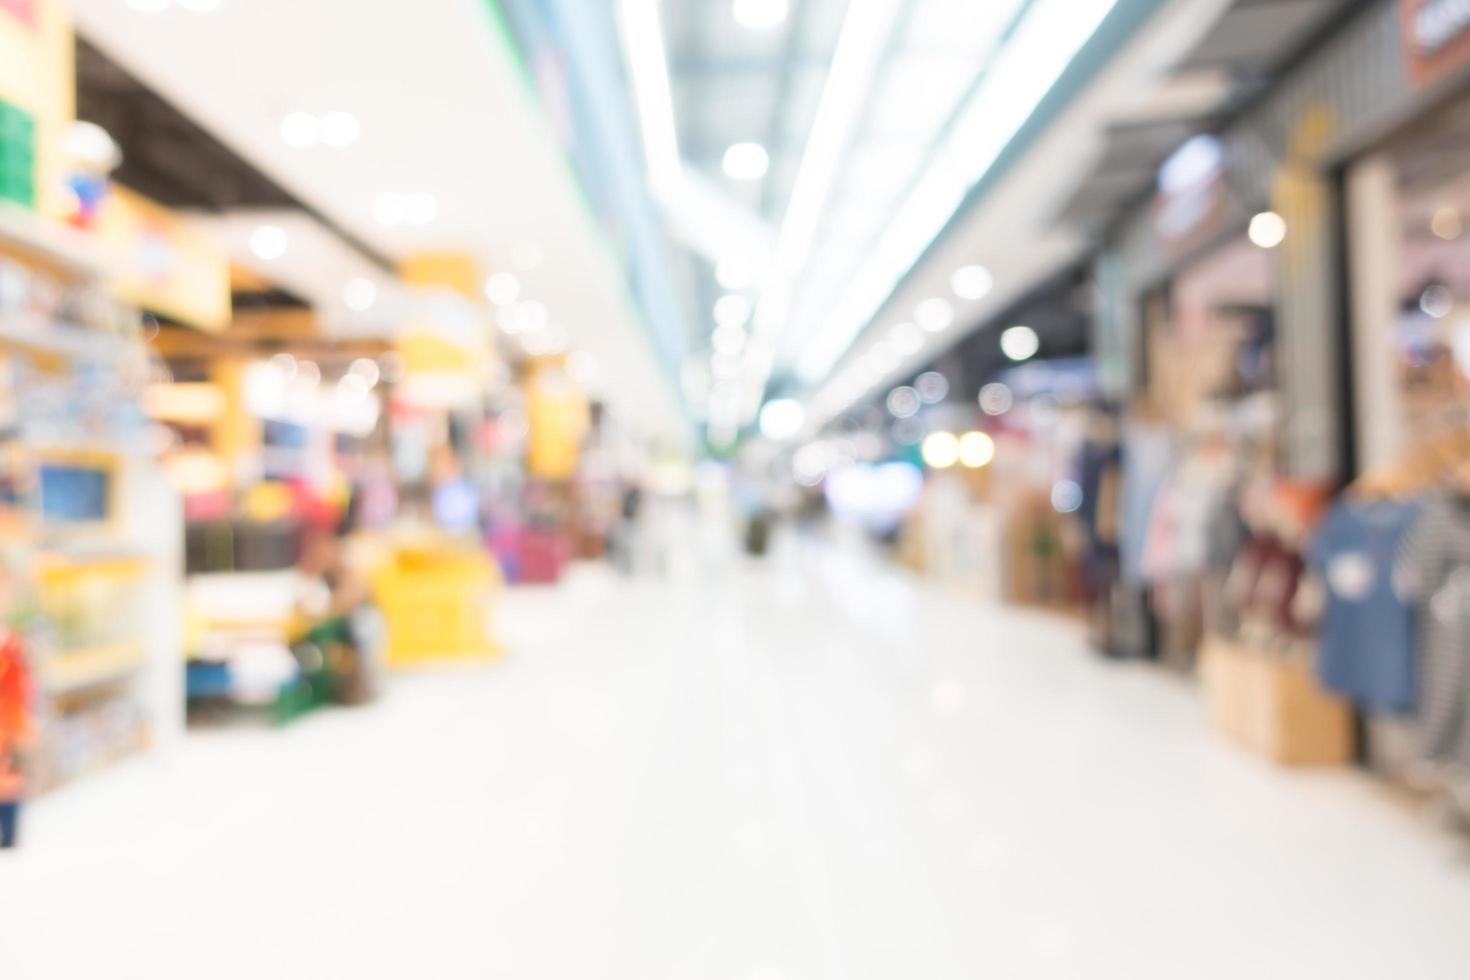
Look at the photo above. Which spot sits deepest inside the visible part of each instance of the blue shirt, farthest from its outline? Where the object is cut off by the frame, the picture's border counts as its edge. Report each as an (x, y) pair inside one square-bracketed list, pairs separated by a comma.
[(1367, 630)]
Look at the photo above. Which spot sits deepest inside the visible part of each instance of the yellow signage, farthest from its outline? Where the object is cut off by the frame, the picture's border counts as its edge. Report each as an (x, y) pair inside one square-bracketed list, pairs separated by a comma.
[(161, 264)]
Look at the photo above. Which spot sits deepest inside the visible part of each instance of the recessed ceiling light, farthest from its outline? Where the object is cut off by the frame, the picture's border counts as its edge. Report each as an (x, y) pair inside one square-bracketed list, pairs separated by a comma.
[(1268, 229), (360, 294), (300, 130), (340, 129), (1020, 343), (421, 208), (733, 308), (503, 288), (760, 15), (269, 242), (781, 419), (977, 450), (1447, 223), (941, 450), (733, 274), (390, 210), (729, 339), (972, 282), (934, 315), (527, 256), (747, 161)]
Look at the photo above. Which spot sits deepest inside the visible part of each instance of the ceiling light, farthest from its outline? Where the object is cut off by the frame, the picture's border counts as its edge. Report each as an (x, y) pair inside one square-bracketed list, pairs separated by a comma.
[(747, 161), (420, 208), (977, 450), (906, 338), (526, 256), (996, 399), (972, 282), (269, 242), (733, 274), (728, 339), (390, 210), (368, 370), (1447, 223), (1268, 229), (934, 315), (502, 288), (781, 419), (1437, 302), (644, 54), (732, 309), (300, 130), (941, 450), (340, 129), (360, 294), (1066, 497), (904, 403), (933, 387), (1020, 343), (760, 15)]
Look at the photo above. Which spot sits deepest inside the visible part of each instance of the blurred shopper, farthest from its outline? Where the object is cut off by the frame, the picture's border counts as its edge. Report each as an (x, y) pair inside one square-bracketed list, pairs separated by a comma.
[(15, 731)]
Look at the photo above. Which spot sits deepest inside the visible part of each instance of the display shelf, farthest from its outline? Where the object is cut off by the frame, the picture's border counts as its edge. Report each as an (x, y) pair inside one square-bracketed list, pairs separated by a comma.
[(72, 671), (56, 337), (49, 241)]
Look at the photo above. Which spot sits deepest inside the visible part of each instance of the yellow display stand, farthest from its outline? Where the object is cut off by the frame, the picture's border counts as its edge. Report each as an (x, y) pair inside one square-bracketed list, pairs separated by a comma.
[(437, 598)]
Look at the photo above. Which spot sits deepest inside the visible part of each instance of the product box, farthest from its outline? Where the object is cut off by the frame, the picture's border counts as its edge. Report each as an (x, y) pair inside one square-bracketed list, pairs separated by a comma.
[(1273, 706)]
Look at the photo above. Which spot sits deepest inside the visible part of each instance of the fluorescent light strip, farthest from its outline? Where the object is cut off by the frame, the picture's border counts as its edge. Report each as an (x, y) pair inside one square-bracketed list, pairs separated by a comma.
[(644, 53), (1027, 67), (861, 45)]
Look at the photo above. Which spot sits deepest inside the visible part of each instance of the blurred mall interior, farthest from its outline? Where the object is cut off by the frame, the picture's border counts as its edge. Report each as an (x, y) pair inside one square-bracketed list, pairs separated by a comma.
[(735, 489)]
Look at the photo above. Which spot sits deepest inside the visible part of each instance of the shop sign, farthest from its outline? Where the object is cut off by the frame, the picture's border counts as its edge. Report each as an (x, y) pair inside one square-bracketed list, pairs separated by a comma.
[(1436, 37), (160, 263), (22, 10)]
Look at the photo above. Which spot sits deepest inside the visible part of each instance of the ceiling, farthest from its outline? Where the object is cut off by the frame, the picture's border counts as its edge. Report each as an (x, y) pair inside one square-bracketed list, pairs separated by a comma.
[(443, 111)]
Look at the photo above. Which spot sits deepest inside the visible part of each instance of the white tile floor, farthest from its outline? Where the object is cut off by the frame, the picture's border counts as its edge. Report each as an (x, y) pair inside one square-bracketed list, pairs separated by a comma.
[(782, 776)]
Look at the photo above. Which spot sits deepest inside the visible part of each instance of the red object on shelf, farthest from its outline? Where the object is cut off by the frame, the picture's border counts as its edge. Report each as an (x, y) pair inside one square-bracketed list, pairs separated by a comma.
[(15, 718), (544, 554)]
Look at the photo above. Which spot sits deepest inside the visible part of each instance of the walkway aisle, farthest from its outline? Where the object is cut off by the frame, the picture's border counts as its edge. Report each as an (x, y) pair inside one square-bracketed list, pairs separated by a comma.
[(824, 775)]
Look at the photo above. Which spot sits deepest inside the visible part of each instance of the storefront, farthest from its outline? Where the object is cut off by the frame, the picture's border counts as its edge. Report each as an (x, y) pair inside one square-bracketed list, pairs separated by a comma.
[(1306, 339)]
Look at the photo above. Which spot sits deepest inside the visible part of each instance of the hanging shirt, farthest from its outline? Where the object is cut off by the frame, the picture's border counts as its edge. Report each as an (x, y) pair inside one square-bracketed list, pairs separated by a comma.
[(1433, 571), (1367, 628)]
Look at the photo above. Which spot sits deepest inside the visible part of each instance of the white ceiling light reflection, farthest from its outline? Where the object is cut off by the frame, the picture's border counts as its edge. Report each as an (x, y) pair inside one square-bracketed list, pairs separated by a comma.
[(781, 419), (904, 403), (933, 387), (340, 129), (1020, 343), (502, 288), (760, 15), (359, 295), (941, 450), (1267, 229), (269, 242), (973, 282), (934, 315), (728, 339), (746, 161), (368, 370), (734, 274), (732, 309), (977, 450), (300, 130), (996, 399)]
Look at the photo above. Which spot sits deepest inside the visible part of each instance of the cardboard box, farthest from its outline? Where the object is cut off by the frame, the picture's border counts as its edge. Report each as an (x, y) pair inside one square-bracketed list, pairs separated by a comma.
[(1273, 706)]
